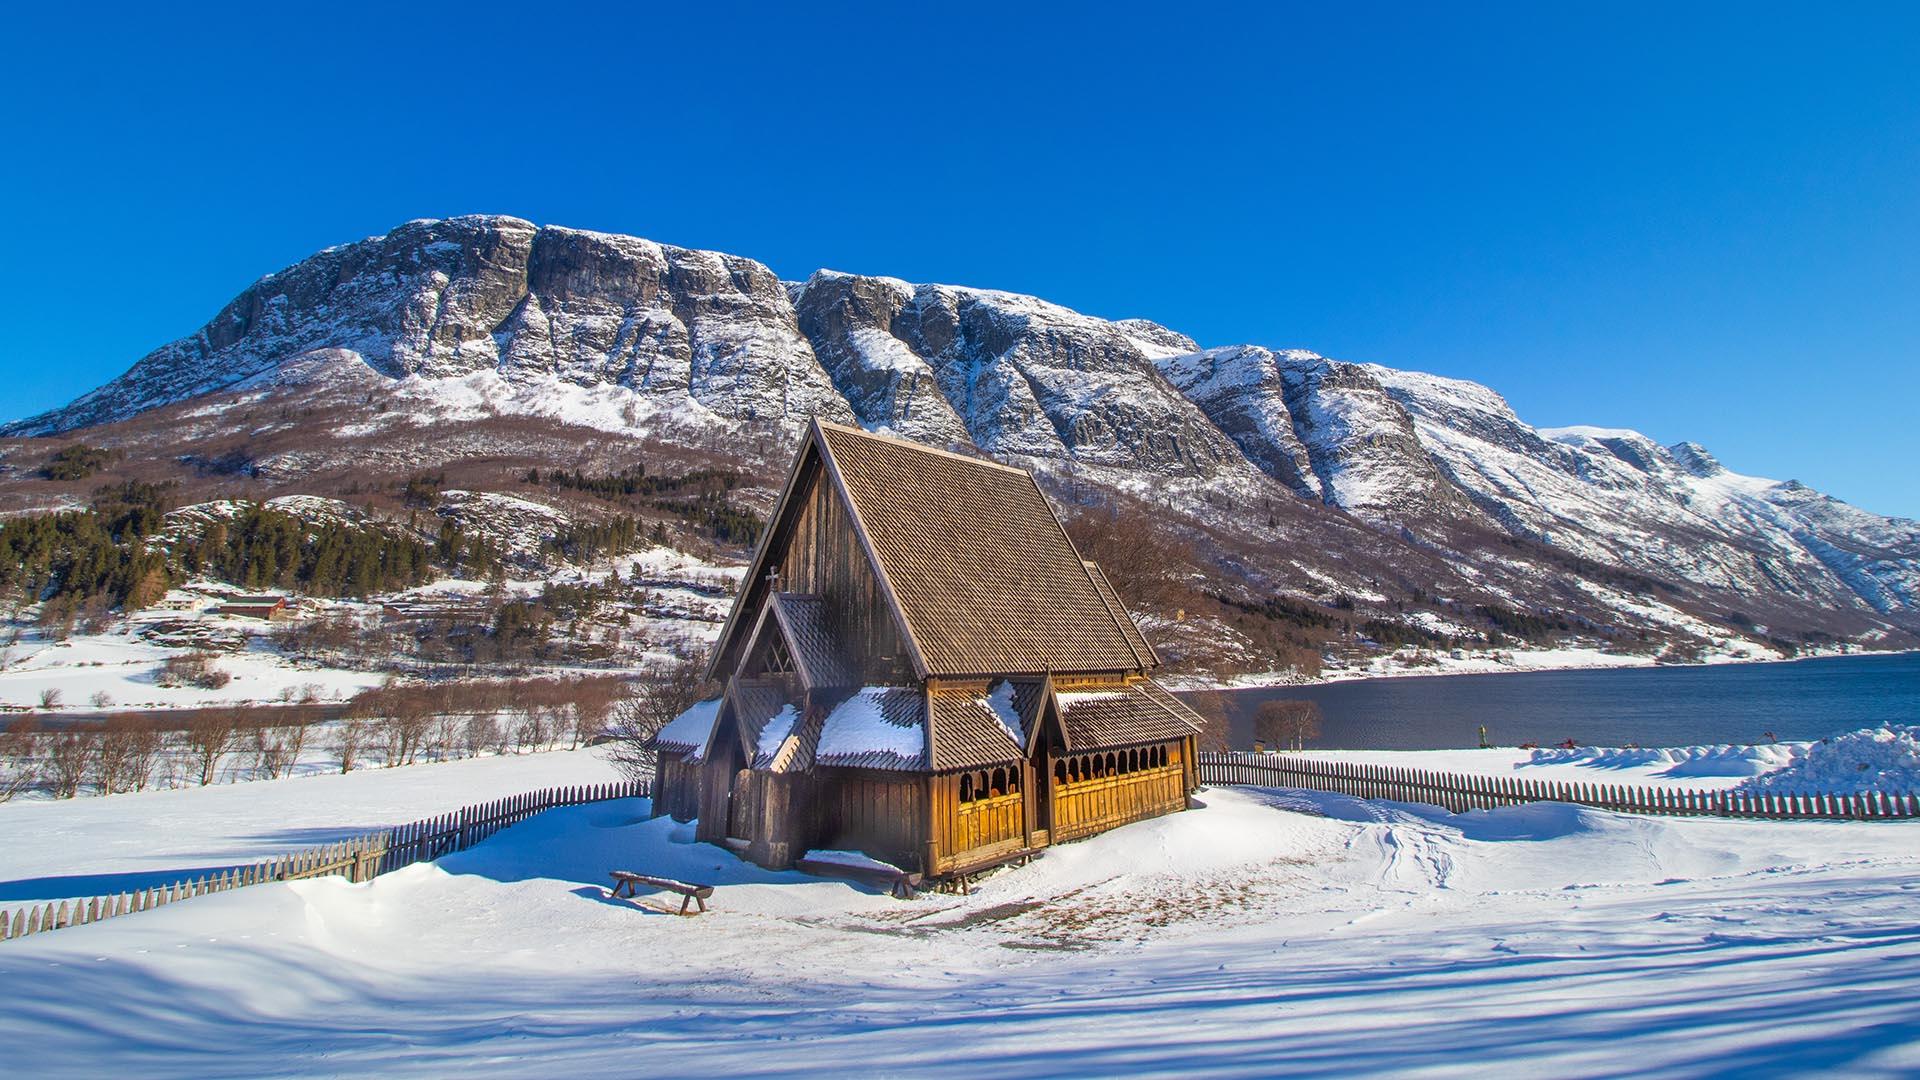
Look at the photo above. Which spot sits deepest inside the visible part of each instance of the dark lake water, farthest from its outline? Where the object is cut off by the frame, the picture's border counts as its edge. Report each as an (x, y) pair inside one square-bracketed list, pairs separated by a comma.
[(1665, 706)]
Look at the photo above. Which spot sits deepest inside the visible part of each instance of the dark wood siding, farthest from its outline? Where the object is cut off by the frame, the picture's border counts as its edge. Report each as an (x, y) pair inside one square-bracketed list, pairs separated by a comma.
[(823, 556), (676, 788), (882, 814)]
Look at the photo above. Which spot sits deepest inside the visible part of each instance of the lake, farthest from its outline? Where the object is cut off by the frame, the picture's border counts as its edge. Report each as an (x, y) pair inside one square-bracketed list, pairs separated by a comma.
[(1663, 706)]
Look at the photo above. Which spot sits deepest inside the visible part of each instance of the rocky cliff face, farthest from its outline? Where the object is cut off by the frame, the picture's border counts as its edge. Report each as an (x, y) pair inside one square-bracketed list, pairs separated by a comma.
[(443, 299), (495, 314), (1012, 375)]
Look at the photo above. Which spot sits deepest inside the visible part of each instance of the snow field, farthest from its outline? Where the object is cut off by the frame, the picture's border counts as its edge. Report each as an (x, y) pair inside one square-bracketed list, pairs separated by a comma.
[(1885, 759), (1269, 933)]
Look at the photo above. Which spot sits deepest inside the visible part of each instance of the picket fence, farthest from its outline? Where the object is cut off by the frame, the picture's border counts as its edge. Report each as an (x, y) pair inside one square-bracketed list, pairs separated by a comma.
[(361, 858), (1458, 792)]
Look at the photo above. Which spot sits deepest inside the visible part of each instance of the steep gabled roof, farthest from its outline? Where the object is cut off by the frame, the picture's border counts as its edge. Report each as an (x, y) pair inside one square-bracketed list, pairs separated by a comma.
[(817, 652), (978, 572), (983, 575), (1112, 600)]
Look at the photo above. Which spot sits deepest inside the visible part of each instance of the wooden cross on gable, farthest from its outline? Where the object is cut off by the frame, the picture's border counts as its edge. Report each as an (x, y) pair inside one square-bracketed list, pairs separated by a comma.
[(773, 580)]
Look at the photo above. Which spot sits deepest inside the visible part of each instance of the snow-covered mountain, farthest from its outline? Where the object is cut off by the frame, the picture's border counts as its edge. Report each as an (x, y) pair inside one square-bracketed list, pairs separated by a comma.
[(1314, 476)]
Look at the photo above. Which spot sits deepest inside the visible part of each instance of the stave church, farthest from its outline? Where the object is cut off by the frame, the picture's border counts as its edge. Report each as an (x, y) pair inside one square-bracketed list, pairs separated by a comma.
[(920, 667)]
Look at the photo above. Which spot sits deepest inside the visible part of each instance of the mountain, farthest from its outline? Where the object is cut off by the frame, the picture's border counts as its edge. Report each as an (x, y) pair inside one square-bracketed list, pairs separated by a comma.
[(1423, 499)]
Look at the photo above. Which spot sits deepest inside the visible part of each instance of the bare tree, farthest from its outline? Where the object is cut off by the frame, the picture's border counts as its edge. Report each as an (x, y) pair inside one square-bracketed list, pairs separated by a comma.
[(479, 734), (1287, 721), (70, 757), (209, 735), (1216, 734), (669, 691), (593, 705), (350, 739), (409, 717), (128, 748), (1149, 565), (19, 757), (275, 747), (50, 698)]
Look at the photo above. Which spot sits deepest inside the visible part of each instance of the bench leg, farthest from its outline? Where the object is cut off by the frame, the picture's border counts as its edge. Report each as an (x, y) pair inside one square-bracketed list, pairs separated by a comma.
[(684, 901)]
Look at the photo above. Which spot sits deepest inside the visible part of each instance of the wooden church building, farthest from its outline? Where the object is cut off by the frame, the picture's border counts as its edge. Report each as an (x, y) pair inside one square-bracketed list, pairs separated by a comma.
[(919, 666)]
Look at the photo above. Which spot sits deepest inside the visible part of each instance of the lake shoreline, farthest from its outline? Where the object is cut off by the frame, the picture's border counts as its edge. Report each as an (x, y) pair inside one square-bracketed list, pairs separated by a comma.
[(1664, 706), (1590, 660)]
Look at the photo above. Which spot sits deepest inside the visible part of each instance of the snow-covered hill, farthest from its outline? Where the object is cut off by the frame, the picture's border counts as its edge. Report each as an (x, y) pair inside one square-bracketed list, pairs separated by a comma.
[(1308, 476)]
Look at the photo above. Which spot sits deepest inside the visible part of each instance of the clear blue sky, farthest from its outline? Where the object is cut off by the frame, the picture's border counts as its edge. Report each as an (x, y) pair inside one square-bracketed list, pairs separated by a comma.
[(1702, 222)]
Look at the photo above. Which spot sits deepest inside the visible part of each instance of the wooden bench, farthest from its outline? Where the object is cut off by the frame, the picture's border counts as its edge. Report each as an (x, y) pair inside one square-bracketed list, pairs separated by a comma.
[(900, 883), (961, 878), (689, 894)]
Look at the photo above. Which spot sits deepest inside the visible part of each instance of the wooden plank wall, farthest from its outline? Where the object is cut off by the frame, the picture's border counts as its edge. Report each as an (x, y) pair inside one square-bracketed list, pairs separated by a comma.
[(970, 830), (677, 788), (1119, 793), (881, 815), (823, 556)]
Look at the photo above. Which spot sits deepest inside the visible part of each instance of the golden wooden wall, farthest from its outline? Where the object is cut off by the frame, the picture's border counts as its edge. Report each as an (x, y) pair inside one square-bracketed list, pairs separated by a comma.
[(1117, 795), (979, 827)]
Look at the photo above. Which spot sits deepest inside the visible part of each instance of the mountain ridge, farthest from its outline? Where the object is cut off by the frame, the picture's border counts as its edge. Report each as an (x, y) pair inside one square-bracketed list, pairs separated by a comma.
[(488, 314)]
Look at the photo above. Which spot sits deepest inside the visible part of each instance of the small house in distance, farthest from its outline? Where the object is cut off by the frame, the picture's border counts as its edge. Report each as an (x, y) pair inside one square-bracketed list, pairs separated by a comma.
[(919, 666), (270, 608)]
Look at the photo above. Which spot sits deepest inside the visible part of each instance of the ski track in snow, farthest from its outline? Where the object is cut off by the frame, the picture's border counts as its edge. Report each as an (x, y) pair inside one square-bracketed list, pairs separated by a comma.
[(1270, 933)]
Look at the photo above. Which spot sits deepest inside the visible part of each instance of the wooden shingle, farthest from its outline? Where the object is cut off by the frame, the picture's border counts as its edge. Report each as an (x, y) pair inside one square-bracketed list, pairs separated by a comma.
[(1139, 712), (984, 577)]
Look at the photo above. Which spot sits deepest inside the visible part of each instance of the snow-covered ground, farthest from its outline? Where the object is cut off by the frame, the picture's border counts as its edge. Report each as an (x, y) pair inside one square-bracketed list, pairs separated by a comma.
[(60, 849), (1411, 664), (126, 668), (1266, 934), (1696, 768)]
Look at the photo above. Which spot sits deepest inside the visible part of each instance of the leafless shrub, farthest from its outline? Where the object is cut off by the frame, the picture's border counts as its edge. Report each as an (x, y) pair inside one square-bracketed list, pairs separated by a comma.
[(667, 692), (129, 748), (351, 737), (207, 736), (1149, 565), (50, 698), (193, 669), (70, 757), (1216, 734), (479, 734), (594, 701), (1286, 722), (20, 743), (275, 748), (400, 718), (444, 740)]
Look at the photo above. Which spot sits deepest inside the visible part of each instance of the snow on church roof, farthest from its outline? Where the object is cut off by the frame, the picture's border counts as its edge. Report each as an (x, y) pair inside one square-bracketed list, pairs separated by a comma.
[(879, 727), (689, 732)]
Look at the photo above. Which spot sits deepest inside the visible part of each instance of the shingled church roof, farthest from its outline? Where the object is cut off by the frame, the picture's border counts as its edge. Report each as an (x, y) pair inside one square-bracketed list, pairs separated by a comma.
[(970, 556)]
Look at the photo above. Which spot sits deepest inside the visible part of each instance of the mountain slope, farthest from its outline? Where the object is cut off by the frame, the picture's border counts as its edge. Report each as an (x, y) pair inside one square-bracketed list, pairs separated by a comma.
[(489, 338)]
